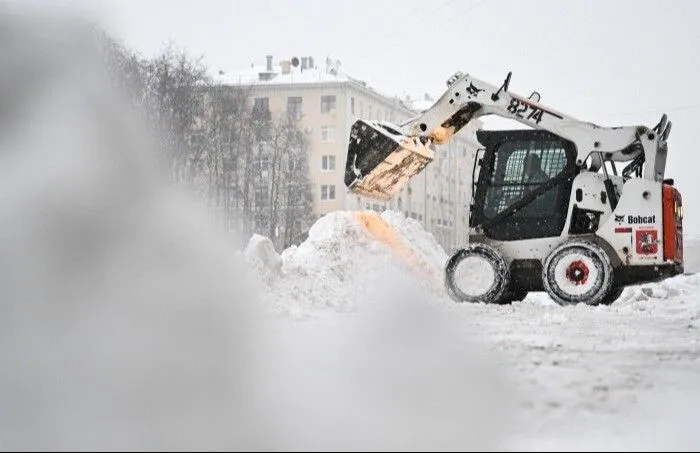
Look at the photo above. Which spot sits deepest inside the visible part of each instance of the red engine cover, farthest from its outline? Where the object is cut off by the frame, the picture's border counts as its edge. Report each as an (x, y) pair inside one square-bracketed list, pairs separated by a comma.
[(673, 224)]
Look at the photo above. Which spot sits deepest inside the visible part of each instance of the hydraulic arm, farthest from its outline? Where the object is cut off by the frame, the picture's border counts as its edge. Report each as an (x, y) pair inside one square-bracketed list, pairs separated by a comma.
[(382, 157)]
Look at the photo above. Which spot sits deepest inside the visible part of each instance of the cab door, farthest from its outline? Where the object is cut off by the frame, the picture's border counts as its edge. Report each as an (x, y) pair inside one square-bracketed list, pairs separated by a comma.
[(516, 166)]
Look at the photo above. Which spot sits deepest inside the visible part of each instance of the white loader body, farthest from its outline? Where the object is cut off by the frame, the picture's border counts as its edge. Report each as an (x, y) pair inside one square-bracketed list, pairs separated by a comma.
[(549, 210)]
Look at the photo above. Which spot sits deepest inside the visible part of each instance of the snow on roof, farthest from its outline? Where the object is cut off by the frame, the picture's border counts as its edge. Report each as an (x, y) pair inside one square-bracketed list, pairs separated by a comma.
[(318, 74), (259, 75)]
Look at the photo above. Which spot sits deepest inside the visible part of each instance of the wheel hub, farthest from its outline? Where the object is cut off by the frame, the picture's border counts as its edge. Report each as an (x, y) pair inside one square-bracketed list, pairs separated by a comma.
[(478, 274), (577, 272), (475, 276)]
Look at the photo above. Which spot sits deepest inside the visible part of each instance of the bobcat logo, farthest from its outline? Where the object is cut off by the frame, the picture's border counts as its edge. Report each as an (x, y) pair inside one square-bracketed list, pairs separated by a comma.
[(619, 218), (472, 90)]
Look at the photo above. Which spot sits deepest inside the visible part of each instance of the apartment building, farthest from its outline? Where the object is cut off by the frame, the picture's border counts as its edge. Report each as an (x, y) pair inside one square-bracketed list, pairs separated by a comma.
[(327, 102)]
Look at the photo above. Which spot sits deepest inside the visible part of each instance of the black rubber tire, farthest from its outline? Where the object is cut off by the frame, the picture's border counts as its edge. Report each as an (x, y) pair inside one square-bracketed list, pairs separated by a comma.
[(580, 254), (511, 296), (496, 294), (517, 295), (614, 294)]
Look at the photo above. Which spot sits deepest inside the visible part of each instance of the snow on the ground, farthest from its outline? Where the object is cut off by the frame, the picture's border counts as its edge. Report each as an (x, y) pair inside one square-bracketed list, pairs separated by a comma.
[(625, 376), (600, 377)]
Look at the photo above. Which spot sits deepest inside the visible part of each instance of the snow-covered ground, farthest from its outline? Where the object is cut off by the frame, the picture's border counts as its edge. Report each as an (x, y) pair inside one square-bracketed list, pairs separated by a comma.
[(626, 376)]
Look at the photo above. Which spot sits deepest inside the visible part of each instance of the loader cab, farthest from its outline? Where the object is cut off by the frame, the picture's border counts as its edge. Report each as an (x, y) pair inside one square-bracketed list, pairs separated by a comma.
[(524, 184)]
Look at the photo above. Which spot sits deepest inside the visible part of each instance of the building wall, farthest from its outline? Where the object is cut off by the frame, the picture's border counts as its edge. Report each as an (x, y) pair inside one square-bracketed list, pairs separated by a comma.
[(325, 131)]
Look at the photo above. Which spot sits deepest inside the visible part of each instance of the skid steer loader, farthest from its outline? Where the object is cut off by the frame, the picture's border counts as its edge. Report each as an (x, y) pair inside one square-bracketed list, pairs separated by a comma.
[(549, 210)]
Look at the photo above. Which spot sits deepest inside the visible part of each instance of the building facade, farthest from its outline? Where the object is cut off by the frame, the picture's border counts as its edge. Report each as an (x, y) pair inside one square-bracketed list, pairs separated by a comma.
[(326, 103)]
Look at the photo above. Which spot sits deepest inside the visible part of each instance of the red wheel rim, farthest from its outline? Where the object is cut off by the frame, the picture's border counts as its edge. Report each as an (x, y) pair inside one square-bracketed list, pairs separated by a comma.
[(577, 272)]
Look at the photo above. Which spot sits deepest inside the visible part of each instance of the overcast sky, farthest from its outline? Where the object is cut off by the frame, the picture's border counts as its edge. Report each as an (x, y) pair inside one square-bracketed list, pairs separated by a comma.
[(608, 62)]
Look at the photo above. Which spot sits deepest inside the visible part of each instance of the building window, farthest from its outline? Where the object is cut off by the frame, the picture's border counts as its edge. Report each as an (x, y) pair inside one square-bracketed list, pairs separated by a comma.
[(261, 164), (328, 163), (261, 108), (262, 196), (294, 107), (327, 192), (327, 134), (327, 103), (262, 104), (369, 115), (352, 106)]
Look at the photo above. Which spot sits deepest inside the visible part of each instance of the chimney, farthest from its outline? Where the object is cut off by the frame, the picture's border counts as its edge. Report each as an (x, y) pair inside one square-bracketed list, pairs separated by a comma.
[(286, 66), (269, 63), (304, 63), (311, 62)]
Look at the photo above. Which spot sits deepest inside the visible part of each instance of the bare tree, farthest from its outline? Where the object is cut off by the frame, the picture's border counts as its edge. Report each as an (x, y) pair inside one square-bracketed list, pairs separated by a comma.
[(228, 126), (282, 140), (279, 176), (175, 83), (125, 69), (251, 168), (297, 213)]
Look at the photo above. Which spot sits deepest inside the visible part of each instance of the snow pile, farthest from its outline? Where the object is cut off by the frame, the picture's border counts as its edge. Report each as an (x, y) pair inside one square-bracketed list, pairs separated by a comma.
[(676, 295), (261, 255), (347, 252)]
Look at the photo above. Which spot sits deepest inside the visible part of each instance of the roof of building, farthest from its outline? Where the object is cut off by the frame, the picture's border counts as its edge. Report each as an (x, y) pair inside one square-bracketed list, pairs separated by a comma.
[(284, 73), (259, 75)]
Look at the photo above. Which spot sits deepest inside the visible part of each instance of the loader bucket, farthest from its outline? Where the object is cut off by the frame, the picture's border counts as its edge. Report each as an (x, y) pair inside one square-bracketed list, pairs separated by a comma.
[(381, 160)]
